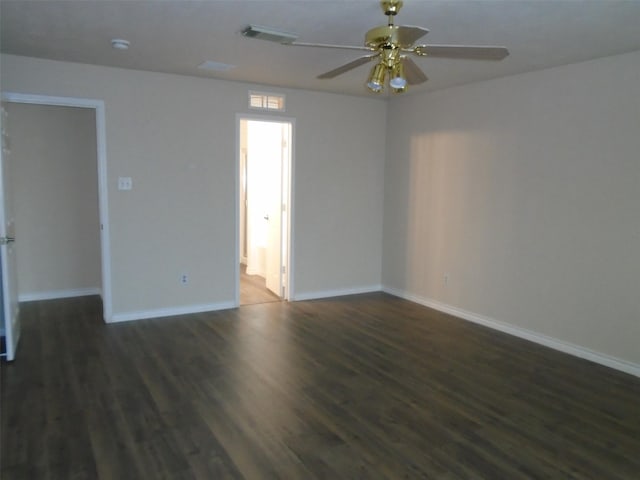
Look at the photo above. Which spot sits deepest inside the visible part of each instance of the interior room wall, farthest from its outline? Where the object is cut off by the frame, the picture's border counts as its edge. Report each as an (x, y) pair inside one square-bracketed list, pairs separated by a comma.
[(176, 137), (53, 158), (516, 201)]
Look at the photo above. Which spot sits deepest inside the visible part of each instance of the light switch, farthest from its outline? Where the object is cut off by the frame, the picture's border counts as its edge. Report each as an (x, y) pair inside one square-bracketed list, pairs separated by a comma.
[(125, 183)]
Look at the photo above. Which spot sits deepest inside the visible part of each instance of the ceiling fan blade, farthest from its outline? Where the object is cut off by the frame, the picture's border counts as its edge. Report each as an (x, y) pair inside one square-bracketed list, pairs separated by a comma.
[(407, 35), (470, 52), (328, 45), (349, 66), (413, 73)]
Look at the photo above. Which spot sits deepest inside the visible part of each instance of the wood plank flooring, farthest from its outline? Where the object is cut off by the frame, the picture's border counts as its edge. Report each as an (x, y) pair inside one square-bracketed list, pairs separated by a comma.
[(368, 386), (253, 289)]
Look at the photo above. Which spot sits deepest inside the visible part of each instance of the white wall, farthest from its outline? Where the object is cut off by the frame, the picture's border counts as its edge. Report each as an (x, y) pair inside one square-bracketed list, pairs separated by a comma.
[(175, 136), (526, 191), (53, 155)]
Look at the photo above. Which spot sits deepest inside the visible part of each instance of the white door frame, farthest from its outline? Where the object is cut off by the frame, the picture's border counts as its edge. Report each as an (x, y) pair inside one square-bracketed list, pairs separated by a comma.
[(103, 204), (290, 207)]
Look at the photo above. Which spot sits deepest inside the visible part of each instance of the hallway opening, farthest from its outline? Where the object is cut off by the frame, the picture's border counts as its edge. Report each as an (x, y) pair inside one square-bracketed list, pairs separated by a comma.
[(264, 220)]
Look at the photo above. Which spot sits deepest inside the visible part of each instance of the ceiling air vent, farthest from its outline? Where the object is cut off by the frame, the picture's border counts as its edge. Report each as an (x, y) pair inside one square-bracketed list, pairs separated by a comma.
[(215, 66), (269, 34)]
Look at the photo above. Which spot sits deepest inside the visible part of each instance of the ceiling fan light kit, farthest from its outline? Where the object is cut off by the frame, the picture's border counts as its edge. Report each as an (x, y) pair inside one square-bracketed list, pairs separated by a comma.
[(390, 46), (398, 81), (376, 78)]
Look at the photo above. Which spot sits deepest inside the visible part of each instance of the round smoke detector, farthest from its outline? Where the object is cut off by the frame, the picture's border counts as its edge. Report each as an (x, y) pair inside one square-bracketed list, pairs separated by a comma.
[(120, 44)]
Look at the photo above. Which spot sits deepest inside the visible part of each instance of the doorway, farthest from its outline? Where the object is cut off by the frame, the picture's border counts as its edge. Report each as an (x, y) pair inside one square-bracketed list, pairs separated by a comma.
[(264, 234), (103, 284), (55, 194)]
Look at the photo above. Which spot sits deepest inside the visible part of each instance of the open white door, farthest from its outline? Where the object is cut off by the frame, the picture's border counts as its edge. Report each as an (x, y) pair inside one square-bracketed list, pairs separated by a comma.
[(274, 230), (10, 306)]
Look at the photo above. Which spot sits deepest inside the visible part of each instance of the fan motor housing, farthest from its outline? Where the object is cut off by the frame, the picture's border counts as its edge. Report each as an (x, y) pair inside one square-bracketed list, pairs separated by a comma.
[(384, 35)]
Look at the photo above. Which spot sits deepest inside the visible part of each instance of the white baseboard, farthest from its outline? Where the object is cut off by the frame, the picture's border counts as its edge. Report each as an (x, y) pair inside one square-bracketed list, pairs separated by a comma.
[(78, 292), (170, 312), (335, 293), (566, 347)]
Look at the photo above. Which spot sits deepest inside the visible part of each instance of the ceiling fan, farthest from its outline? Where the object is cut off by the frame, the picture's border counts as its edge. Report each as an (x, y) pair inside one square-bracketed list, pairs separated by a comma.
[(390, 46)]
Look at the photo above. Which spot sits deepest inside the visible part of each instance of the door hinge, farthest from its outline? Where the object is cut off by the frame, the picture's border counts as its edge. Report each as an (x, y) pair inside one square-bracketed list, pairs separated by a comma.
[(7, 240)]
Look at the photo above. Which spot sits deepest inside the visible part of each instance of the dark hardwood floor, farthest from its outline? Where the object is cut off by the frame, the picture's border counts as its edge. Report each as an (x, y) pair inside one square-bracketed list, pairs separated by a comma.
[(253, 289), (368, 386)]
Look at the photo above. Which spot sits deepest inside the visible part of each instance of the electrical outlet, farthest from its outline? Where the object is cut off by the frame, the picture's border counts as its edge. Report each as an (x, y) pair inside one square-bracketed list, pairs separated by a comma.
[(184, 279), (125, 183), (445, 279)]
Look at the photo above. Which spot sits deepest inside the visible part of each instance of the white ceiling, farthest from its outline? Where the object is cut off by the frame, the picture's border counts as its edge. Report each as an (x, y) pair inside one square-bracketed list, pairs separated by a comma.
[(176, 36)]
